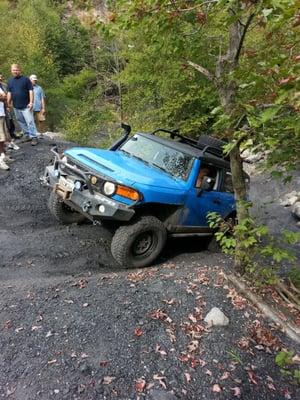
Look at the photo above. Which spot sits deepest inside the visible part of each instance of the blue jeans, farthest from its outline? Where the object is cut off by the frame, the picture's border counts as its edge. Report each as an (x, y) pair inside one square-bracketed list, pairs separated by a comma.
[(26, 121)]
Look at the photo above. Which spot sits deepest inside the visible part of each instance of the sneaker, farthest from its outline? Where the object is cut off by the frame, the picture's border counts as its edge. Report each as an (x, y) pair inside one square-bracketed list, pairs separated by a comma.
[(12, 145), (34, 141), (8, 159), (3, 164)]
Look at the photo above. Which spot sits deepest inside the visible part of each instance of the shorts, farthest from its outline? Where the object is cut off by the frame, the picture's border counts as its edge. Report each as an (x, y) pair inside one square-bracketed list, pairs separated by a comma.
[(4, 134)]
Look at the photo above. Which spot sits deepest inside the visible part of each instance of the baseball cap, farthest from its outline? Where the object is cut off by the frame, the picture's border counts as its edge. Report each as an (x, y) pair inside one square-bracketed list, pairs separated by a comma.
[(33, 77)]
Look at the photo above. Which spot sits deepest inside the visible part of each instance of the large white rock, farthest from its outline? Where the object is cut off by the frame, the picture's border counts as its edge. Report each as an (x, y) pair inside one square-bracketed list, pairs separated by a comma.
[(289, 199), (296, 209), (216, 317)]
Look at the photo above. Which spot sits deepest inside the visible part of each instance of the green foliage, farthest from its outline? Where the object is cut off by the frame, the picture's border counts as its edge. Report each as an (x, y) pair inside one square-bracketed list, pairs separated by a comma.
[(284, 359), (264, 253), (294, 276)]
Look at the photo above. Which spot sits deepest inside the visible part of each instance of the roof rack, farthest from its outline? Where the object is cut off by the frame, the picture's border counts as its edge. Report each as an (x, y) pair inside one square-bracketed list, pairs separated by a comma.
[(192, 142)]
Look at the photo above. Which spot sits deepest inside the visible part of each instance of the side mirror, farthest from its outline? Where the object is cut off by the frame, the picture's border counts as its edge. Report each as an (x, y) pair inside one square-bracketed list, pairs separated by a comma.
[(207, 183)]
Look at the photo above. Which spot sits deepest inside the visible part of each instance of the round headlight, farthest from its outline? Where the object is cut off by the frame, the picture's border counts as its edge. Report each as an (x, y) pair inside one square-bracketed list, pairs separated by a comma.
[(109, 188)]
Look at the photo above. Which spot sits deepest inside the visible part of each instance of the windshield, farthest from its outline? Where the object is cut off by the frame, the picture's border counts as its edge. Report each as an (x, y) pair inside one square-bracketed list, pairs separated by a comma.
[(157, 155)]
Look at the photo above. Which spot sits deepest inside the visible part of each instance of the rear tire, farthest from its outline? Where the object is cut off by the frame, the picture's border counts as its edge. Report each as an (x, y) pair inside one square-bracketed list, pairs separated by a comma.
[(62, 212), (139, 244)]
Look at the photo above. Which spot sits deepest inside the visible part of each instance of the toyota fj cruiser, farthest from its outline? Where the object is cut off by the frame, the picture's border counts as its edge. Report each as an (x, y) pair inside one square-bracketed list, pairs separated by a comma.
[(152, 186)]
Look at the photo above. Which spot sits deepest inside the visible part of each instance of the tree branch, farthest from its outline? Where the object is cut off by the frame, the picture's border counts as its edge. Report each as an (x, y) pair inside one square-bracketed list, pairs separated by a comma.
[(246, 26), (202, 70)]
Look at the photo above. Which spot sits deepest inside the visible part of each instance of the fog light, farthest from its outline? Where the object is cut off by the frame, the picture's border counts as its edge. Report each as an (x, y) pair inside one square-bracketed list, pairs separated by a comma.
[(101, 208), (77, 185)]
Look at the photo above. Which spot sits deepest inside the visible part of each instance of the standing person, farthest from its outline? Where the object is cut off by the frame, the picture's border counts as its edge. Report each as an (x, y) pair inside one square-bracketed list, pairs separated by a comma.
[(4, 135), (20, 95), (9, 118), (39, 107)]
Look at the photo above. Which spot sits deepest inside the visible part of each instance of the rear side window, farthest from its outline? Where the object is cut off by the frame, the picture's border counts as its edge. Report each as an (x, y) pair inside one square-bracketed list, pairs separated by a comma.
[(227, 184)]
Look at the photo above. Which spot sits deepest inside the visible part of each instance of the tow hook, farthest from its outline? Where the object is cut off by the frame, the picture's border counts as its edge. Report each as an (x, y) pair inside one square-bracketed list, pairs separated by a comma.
[(86, 206)]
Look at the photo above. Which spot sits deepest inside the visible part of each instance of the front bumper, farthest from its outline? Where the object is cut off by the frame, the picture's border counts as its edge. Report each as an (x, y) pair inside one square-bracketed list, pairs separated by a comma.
[(94, 205)]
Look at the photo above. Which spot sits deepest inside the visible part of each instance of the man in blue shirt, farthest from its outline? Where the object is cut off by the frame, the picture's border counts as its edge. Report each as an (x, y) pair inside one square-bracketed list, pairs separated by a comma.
[(20, 95), (39, 108)]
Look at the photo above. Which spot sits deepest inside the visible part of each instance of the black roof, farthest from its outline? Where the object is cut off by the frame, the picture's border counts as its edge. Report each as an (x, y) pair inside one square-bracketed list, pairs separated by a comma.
[(204, 154)]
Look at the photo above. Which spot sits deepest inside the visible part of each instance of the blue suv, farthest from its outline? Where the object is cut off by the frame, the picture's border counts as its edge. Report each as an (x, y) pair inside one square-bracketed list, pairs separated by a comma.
[(151, 186)]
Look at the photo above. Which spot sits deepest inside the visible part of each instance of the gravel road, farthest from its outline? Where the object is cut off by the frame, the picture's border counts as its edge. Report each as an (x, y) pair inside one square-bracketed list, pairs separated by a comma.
[(75, 326)]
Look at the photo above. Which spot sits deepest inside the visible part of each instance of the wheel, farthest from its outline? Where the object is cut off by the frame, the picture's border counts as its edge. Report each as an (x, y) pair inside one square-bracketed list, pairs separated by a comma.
[(139, 244), (62, 212), (206, 140)]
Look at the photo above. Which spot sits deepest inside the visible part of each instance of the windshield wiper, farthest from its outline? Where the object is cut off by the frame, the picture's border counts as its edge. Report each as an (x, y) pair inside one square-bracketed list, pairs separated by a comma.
[(134, 156)]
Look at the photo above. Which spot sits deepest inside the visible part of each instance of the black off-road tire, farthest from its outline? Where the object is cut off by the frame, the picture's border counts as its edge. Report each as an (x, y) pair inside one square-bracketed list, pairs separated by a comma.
[(62, 212), (206, 140), (139, 244)]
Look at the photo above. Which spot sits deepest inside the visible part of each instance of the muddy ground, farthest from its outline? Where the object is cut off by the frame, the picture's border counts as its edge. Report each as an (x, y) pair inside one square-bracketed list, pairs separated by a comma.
[(75, 326)]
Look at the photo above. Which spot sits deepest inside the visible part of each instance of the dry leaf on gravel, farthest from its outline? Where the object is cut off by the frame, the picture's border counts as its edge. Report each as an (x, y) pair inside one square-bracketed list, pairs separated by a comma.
[(103, 363), (81, 284), (7, 324), (52, 362), (160, 315), (225, 376), (140, 385), (244, 343), (170, 302), (160, 351), (187, 377), (138, 331), (171, 334), (161, 380), (216, 388), (192, 346), (236, 391), (36, 328), (208, 372), (84, 355), (107, 380), (252, 377), (263, 336)]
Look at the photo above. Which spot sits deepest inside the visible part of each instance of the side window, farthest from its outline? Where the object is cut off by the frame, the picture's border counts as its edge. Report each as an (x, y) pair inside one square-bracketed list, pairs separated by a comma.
[(227, 184), (209, 171)]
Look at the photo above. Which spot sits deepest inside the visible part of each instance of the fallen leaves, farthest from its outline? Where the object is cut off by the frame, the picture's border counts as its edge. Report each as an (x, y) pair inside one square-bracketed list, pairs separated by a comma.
[(138, 331), (193, 346), (187, 377), (140, 385), (236, 391), (7, 324), (252, 377), (51, 362), (161, 380), (141, 275), (159, 350), (237, 301), (263, 336), (216, 388), (81, 284), (160, 315), (107, 380)]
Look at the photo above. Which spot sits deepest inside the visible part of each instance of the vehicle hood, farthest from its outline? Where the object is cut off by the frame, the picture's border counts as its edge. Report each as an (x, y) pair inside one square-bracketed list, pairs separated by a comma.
[(123, 169)]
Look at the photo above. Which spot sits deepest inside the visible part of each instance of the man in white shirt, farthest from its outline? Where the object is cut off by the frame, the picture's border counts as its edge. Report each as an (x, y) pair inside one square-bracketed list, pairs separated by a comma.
[(4, 135)]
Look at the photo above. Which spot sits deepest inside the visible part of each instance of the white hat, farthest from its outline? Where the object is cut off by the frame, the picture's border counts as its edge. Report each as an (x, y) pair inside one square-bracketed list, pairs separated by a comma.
[(33, 78)]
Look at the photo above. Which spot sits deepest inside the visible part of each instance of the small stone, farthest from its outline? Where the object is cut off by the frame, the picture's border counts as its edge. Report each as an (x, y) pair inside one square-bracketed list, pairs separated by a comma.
[(216, 317)]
